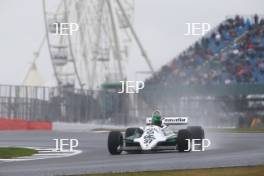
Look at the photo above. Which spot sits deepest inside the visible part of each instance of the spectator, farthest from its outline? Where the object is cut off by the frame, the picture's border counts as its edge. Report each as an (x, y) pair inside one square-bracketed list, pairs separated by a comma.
[(230, 54)]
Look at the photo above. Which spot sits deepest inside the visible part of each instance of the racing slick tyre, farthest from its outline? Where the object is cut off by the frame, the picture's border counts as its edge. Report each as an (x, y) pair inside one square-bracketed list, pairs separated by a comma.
[(182, 142), (115, 140), (130, 132), (196, 131)]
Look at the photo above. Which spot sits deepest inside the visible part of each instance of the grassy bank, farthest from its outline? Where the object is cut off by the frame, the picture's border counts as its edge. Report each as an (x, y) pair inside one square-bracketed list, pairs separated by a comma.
[(13, 152), (234, 171)]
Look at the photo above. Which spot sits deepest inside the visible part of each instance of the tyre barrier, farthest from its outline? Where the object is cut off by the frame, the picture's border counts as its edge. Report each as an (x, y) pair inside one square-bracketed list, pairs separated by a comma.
[(18, 124)]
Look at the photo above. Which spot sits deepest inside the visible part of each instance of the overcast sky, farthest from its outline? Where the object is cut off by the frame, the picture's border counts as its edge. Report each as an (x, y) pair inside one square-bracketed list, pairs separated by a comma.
[(160, 24)]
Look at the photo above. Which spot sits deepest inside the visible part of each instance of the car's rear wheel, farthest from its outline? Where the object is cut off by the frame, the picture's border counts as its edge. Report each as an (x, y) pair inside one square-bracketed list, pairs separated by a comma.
[(183, 136), (196, 131), (130, 132), (115, 141)]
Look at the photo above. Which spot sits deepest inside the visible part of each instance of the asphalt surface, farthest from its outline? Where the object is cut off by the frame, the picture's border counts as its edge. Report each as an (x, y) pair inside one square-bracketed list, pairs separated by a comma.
[(235, 149)]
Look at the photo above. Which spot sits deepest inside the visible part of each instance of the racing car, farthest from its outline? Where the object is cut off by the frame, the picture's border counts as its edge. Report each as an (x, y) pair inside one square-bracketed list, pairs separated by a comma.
[(155, 136)]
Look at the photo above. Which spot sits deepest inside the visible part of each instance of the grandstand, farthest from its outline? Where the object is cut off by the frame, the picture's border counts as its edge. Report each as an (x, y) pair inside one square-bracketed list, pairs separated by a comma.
[(232, 53), (215, 76)]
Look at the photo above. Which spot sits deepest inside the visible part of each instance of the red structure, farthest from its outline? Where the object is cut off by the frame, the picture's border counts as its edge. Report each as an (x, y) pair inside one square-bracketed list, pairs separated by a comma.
[(17, 124)]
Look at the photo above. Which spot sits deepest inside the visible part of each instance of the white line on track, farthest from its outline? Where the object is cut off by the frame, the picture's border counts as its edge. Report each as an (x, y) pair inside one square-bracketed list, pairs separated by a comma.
[(44, 154)]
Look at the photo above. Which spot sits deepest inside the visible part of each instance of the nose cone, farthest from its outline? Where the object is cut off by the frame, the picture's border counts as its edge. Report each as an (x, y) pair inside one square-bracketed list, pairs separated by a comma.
[(150, 138), (148, 142)]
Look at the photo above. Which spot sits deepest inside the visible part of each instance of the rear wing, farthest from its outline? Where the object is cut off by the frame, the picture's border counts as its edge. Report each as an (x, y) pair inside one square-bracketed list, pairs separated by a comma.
[(170, 120)]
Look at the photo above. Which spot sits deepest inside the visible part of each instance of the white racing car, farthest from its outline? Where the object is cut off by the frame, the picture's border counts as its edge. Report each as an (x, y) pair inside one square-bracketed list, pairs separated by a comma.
[(155, 136)]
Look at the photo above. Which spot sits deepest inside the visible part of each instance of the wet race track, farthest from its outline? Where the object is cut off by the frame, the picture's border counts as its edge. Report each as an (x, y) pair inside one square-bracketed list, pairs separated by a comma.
[(227, 149)]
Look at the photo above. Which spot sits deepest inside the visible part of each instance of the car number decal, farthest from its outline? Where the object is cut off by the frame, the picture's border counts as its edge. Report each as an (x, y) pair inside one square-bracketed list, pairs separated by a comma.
[(149, 137)]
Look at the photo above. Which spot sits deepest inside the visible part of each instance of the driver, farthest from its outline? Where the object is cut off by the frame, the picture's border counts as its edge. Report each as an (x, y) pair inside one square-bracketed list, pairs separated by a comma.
[(156, 119)]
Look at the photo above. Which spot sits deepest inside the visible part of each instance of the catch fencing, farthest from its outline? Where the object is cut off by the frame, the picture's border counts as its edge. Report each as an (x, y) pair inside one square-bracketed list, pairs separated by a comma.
[(109, 107), (66, 105)]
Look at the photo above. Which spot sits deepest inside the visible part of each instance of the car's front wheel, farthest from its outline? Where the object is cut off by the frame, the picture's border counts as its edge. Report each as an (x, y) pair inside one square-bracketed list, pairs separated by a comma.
[(184, 137), (115, 141)]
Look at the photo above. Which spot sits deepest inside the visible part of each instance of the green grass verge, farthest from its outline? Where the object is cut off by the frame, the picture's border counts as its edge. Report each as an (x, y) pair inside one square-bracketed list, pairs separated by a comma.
[(13, 152), (228, 171)]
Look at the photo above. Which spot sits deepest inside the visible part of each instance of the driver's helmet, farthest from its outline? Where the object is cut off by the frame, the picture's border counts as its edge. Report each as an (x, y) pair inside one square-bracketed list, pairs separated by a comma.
[(156, 118)]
